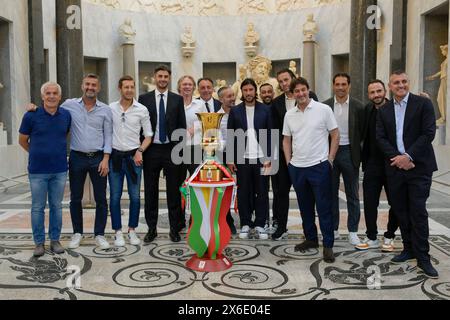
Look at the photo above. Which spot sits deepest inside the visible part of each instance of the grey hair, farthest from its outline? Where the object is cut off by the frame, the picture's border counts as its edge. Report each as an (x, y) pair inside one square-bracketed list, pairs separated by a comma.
[(50, 84), (221, 91)]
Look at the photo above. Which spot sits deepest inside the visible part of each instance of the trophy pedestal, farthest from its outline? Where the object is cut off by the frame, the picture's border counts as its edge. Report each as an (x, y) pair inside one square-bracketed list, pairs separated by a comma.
[(207, 265)]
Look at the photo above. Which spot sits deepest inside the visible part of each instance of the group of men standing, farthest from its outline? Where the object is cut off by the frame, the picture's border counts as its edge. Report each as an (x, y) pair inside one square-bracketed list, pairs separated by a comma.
[(319, 143)]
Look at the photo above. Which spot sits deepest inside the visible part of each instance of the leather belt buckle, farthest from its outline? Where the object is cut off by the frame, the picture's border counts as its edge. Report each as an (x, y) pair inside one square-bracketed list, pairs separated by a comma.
[(90, 154)]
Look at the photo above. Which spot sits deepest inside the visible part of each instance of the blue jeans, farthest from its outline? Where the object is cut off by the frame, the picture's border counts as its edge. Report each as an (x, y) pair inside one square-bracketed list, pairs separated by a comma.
[(314, 184), (134, 191), (42, 185), (79, 166), (344, 164)]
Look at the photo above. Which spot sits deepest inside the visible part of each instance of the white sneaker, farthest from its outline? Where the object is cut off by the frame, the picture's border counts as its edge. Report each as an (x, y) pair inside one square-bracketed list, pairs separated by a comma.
[(134, 238), (337, 236), (354, 239), (102, 242), (119, 240), (270, 229), (388, 245), (244, 232), (76, 240), (368, 244), (261, 233)]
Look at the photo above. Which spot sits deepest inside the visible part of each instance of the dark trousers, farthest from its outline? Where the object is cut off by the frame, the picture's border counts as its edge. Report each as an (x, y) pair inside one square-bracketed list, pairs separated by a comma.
[(314, 184), (343, 164), (157, 158), (252, 186), (410, 192), (79, 166), (374, 181), (281, 186)]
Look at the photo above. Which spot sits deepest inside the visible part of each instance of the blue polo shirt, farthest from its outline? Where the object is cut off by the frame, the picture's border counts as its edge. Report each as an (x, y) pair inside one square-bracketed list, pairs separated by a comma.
[(48, 140)]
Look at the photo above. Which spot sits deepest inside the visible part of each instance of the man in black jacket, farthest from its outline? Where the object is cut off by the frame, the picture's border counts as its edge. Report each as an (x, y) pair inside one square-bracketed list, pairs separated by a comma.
[(406, 128), (166, 115)]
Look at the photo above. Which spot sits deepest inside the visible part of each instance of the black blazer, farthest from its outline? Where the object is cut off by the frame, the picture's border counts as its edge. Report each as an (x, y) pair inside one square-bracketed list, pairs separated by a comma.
[(356, 127), (217, 105), (175, 115), (419, 131), (238, 120)]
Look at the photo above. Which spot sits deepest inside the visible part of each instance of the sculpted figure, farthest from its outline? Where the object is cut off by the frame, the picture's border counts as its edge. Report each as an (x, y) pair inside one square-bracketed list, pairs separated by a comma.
[(442, 94)]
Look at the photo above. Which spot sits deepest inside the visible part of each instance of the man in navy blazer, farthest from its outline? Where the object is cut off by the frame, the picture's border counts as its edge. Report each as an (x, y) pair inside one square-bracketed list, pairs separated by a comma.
[(206, 90), (166, 115), (251, 158), (406, 127)]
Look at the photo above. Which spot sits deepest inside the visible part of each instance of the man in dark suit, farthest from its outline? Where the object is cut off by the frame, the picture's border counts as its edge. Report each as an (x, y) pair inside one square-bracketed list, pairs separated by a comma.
[(167, 115), (350, 117), (281, 183), (251, 158), (206, 90), (406, 127)]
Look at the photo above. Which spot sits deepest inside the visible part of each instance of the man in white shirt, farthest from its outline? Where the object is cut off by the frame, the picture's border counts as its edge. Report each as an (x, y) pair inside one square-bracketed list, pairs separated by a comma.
[(306, 132), (129, 118), (350, 116)]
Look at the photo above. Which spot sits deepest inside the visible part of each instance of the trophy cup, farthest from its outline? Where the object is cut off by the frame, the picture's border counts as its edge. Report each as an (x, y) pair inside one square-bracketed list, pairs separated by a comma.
[(210, 143)]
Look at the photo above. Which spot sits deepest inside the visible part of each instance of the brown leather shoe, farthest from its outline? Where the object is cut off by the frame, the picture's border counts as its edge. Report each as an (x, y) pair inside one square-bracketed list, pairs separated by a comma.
[(305, 246), (39, 251), (328, 255)]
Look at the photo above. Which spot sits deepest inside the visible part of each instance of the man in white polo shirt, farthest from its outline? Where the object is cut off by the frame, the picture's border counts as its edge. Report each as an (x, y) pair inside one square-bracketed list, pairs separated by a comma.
[(306, 132)]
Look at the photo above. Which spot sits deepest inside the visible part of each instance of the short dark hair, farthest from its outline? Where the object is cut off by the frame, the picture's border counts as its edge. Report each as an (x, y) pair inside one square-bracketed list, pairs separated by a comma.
[(376, 81), (92, 76), (265, 85), (342, 75), (205, 79), (163, 68), (398, 72), (286, 71), (125, 78), (298, 81), (249, 81)]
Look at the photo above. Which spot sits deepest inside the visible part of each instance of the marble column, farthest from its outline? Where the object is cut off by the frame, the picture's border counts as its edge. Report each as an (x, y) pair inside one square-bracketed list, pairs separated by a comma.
[(129, 62), (37, 59), (399, 36), (309, 63), (69, 47), (363, 49)]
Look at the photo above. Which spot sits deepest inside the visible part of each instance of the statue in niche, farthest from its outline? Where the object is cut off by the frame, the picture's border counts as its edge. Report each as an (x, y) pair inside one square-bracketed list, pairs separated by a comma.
[(150, 85), (172, 6), (260, 68), (251, 37), (310, 28), (208, 7), (252, 6), (219, 84), (442, 94), (187, 38), (236, 87), (127, 32), (293, 67)]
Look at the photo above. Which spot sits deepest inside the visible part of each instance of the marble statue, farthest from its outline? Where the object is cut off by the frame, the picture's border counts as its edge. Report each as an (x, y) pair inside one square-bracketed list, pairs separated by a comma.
[(260, 68), (236, 87), (310, 28), (187, 38), (127, 32), (252, 6), (150, 85), (172, 6), (251, 37), (293, 67), (146, 5), (442, 94), (208, 7)]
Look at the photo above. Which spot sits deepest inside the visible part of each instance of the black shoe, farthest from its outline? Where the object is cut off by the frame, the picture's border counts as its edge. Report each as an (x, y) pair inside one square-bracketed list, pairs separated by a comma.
[(279, 235), (328, 255), (305, 246), (405, 256), (428, 269), (174, 236), (56, 247), (150, 236)]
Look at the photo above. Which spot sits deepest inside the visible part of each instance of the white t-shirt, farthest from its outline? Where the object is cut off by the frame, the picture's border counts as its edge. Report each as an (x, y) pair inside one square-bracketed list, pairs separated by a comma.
[(341, 114), (310, 131), (253, 150), (223, 130), (290, 103)]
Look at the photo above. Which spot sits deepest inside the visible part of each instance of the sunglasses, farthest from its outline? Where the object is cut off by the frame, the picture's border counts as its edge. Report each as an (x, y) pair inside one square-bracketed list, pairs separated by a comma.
[(123, 117)]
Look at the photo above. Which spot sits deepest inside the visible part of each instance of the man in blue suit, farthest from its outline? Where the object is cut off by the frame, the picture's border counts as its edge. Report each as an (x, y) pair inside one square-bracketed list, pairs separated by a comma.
[(251, 123)]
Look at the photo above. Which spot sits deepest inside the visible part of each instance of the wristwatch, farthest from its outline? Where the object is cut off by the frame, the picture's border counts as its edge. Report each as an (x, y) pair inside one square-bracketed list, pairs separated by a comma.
[(141, 150)]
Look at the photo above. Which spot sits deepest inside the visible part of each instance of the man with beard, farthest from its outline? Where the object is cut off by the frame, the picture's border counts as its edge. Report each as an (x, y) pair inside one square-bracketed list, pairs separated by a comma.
[(252, 118), (266, 93), (374, 174), (166, 115)]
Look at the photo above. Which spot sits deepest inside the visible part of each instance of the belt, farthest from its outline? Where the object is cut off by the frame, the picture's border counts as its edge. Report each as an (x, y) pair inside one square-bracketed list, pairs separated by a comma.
[(89, 154)]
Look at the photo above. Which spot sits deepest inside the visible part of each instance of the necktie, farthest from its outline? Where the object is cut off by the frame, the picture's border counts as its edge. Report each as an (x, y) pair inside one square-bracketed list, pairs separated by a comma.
[(162, 121), (207, 107)]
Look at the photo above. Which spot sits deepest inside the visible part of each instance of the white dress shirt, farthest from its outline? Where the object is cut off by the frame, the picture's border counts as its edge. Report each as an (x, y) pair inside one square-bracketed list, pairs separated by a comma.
[(127, 125), (210, 104), (341, 112), (192, 121), (158, 100), (400, 112)]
